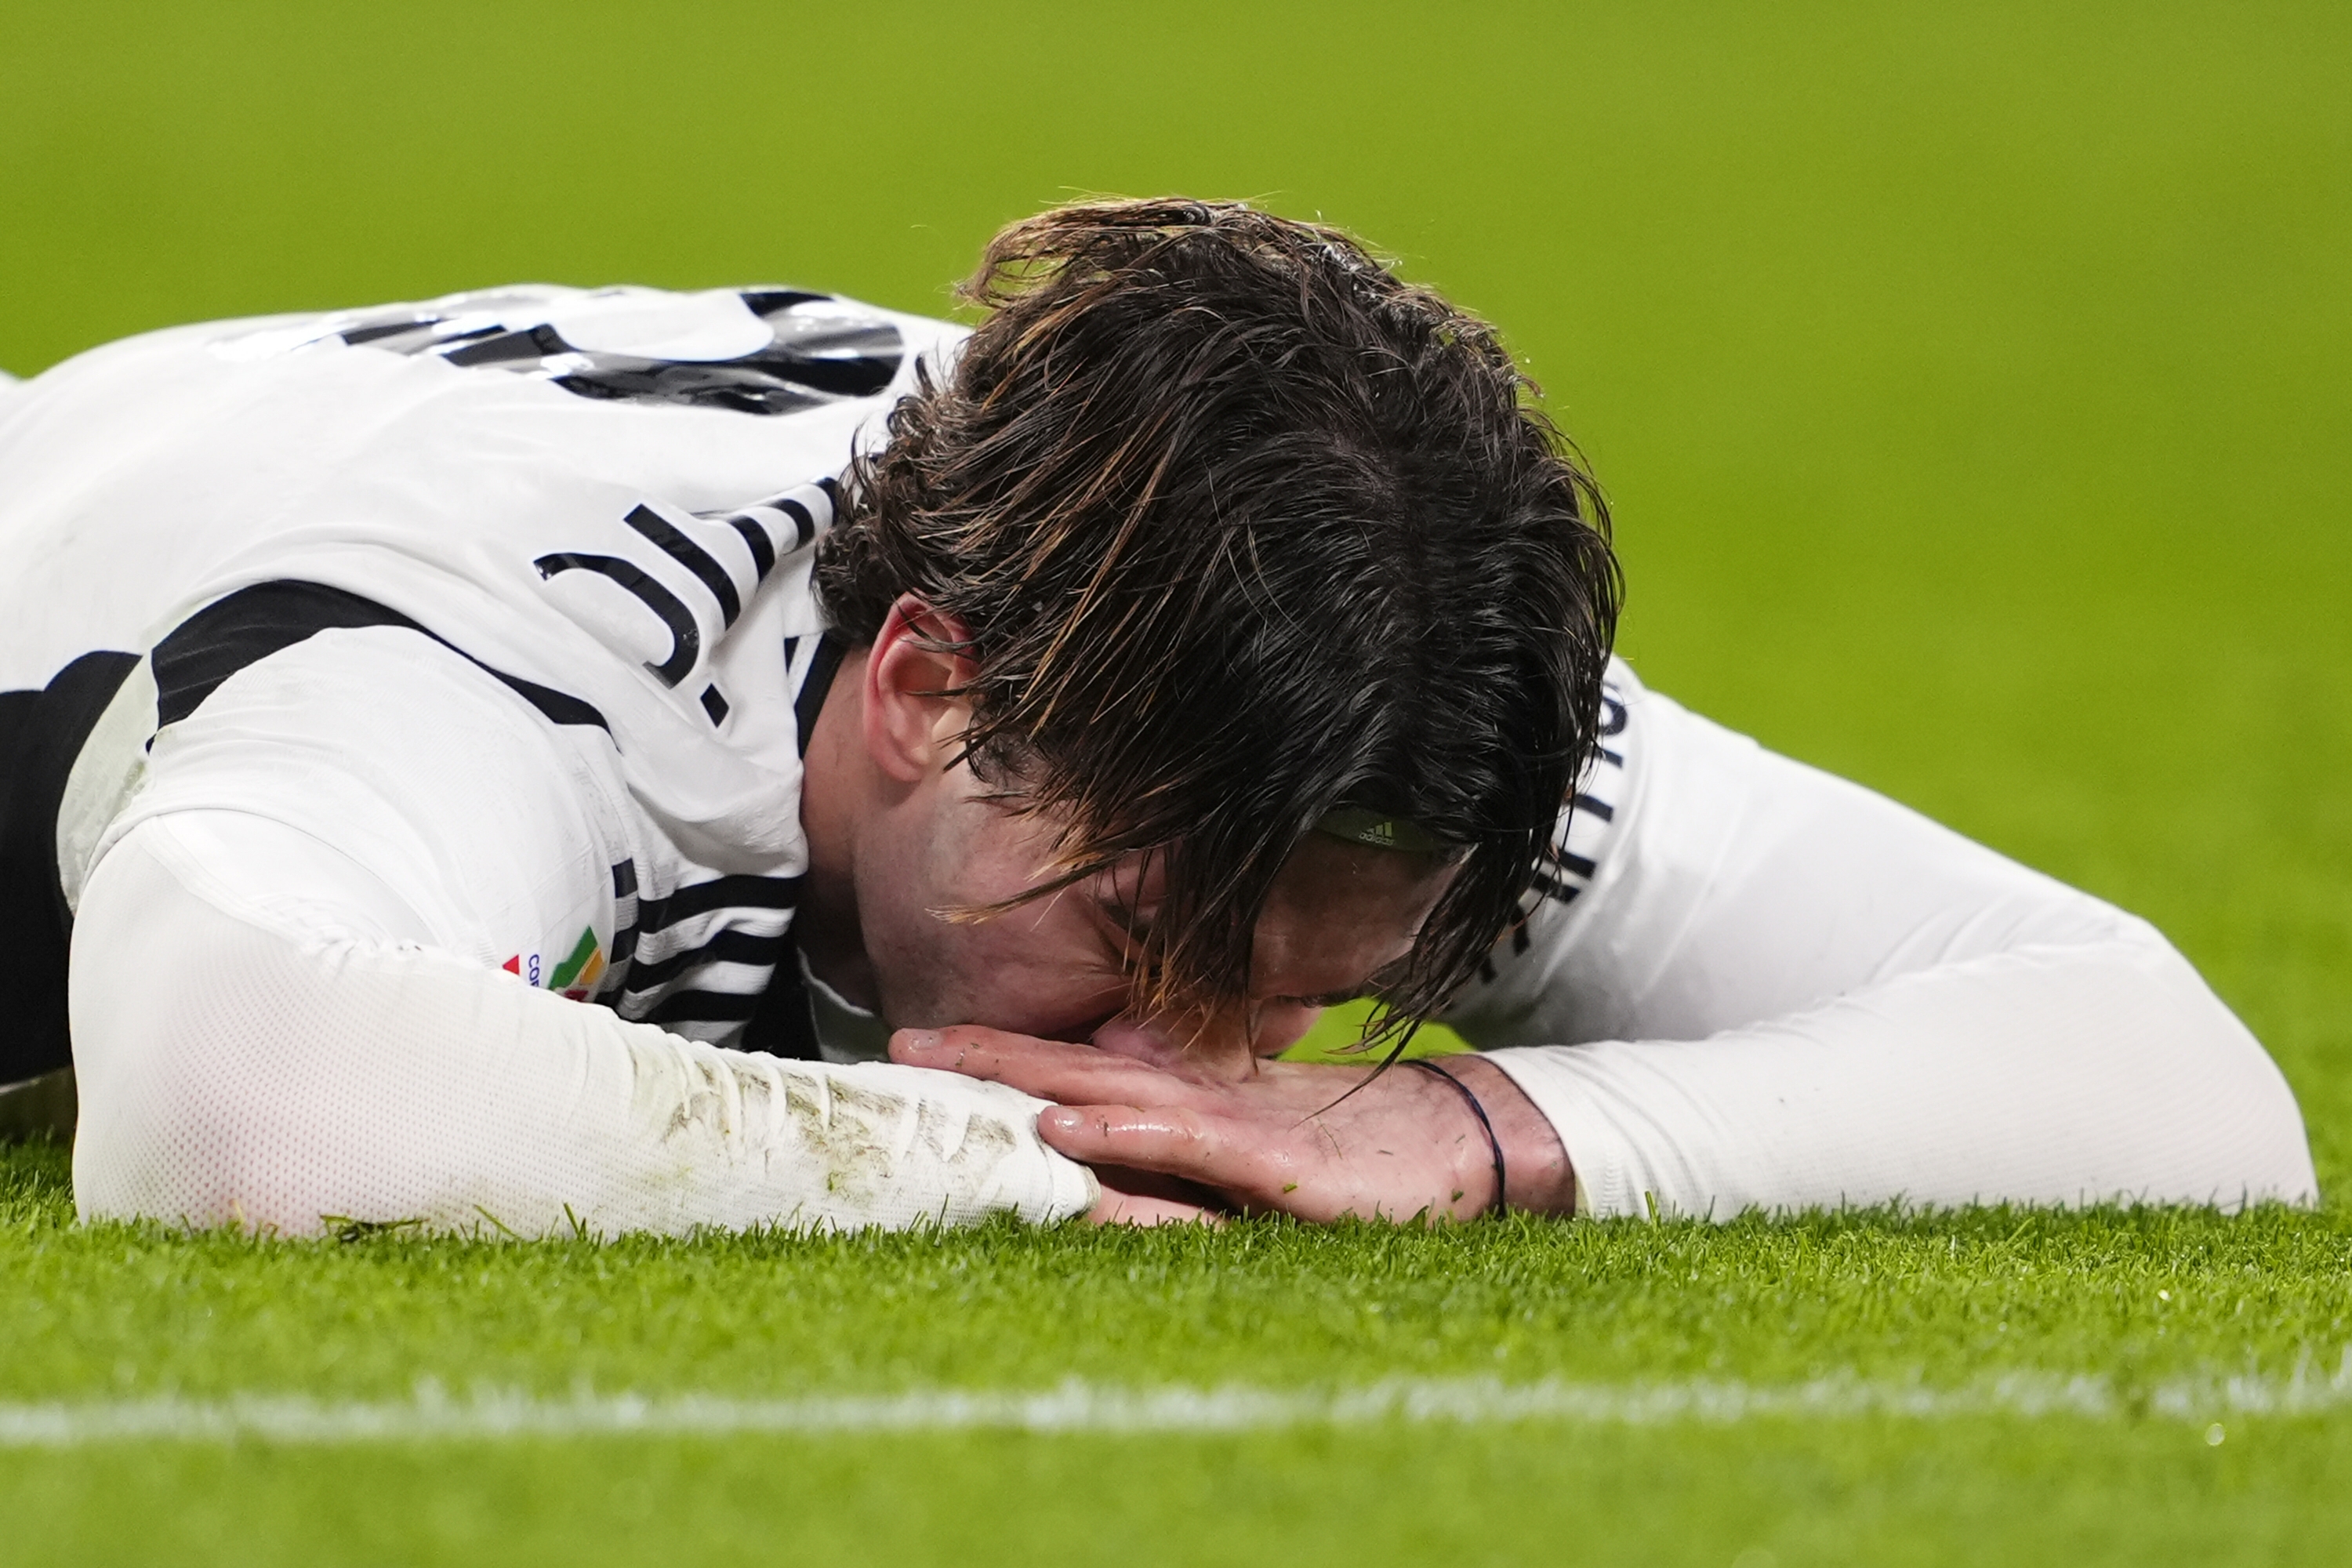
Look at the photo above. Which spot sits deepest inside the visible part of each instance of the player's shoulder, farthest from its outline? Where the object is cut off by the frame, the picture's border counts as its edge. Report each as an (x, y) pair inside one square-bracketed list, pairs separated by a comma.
[(760, 349), (763, 349), (533, 417)]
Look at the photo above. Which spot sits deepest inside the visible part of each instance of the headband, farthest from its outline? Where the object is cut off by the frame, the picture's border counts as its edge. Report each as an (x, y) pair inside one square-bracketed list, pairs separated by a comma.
[(1378, 830)]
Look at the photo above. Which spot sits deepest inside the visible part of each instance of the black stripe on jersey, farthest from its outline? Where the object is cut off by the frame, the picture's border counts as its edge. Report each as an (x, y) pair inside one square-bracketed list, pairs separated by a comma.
[(537, 342), (1560, 875), (248, 625), (753, 527), (1576, 863), (808, 360), (762, 548), (823, 666), (739, 891), (41, 733), (1551, 887), (685, 636), (803, 525), (726, 947), (854, 359), (775, 1015), (782, 1025), (558, 706), (768, 301), (624, 922), (705, 1007), (691, 556), (359, 335)]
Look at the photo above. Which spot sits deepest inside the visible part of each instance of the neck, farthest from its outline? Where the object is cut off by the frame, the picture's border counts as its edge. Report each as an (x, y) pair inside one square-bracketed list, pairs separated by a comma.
[(834, 786)]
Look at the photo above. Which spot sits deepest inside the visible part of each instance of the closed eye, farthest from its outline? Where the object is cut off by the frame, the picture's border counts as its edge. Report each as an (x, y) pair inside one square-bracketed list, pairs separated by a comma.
[(1136, 929)]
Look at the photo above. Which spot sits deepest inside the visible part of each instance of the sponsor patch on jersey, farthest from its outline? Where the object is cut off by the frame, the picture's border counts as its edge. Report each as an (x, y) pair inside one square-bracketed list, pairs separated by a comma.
[(575, 975)]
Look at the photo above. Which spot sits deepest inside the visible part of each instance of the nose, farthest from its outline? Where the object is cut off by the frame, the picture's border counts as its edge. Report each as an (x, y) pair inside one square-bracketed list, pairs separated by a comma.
[(1209, 1048)]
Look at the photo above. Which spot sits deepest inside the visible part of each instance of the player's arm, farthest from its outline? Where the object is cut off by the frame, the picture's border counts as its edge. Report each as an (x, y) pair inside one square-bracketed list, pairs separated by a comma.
[(1775, 990), (1790, 990), (284, 1006)]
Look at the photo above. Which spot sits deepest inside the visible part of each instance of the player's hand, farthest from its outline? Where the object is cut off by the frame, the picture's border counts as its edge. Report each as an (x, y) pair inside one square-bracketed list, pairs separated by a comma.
[(1282, 1136), (1145, 1198)]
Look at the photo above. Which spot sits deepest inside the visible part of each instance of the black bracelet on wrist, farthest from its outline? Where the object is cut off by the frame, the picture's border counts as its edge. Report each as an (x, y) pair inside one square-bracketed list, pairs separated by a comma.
[(1494, 1144)]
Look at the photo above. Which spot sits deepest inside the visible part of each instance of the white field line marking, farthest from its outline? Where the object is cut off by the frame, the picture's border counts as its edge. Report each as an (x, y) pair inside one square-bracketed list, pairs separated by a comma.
[(1080, 1408)]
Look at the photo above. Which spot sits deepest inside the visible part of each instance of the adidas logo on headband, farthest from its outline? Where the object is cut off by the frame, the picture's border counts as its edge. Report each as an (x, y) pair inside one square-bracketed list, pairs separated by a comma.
[(1360, 824)]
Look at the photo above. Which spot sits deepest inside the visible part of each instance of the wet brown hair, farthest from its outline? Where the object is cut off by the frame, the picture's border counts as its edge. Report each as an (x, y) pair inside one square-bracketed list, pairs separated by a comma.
[(1243, 528)]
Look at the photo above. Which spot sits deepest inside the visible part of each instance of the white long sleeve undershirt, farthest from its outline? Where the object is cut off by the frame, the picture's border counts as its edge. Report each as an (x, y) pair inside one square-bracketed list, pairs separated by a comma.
[(1782, 990), (262, 1040)]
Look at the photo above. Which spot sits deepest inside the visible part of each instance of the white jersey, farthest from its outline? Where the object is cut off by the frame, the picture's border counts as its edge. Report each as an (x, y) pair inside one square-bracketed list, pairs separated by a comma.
[(387, 684), (603, 499)]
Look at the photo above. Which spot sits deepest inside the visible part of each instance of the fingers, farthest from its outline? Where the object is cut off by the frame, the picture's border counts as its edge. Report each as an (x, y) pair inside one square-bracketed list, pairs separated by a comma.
[(1247, 1166), (1168, 1140), (1130, 1197), (1135, 1183), (1050, 1069)]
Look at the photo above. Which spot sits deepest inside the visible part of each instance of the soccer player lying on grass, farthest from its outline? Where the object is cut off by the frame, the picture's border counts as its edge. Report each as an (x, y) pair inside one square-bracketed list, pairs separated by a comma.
[(515, 759)]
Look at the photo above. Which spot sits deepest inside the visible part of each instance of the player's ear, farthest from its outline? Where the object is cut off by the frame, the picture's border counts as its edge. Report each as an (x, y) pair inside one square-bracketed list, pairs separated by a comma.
[(912, 725)]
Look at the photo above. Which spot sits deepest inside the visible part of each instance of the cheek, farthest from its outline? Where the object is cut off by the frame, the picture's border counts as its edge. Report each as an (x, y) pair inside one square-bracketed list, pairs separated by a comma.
[(1025, 970), (1039, 974), (1039, 968)]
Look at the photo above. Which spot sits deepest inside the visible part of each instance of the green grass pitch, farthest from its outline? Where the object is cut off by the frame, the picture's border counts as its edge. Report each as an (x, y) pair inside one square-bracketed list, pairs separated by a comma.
[(1969, 383)]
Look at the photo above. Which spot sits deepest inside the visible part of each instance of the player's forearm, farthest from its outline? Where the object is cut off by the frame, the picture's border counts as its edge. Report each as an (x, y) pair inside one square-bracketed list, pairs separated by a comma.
[(232, 1073), (2053, 1075)]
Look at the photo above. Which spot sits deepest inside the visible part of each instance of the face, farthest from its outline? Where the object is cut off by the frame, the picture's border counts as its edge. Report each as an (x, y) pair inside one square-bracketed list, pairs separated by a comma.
[(934, 840), (928, 839), (1058, 966)]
